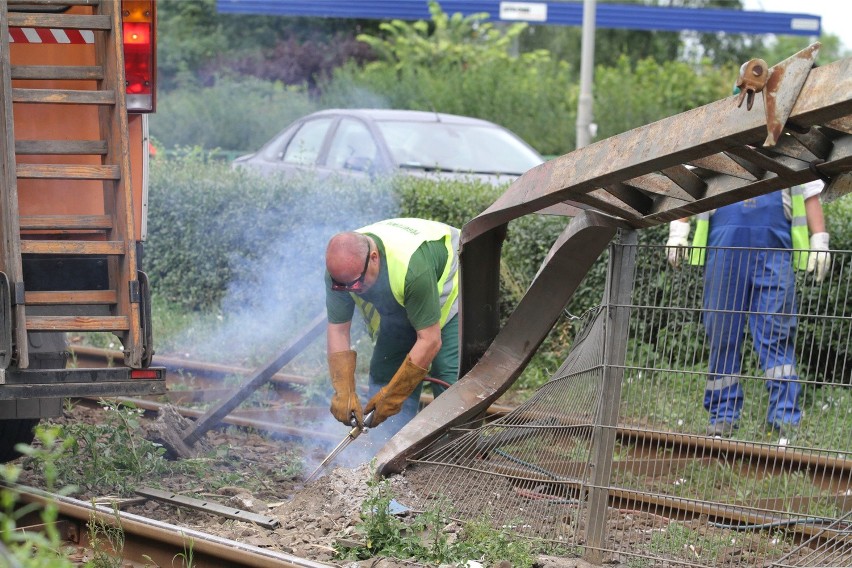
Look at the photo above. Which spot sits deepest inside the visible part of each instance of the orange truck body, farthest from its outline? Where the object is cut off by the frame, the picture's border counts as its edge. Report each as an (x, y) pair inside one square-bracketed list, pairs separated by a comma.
[(73, 202), (34, 122)]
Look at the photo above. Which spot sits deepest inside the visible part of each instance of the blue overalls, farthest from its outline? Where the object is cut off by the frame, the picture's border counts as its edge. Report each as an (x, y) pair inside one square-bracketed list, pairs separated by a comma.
[(759, 282)]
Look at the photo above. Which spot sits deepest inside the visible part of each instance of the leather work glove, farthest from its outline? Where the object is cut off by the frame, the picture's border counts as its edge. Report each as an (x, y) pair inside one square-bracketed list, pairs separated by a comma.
[(388, 401), (344, 403), (819, 259), (678, 241)]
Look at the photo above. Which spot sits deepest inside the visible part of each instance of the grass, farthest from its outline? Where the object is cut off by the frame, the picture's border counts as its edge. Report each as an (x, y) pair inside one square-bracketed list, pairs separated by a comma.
[(424, 536), (684, 543), (673, 400), (112, 457), (106, 540)]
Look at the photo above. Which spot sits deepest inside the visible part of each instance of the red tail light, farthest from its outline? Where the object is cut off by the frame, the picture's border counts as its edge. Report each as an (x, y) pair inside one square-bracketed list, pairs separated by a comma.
[(139, 21), (145, 374)]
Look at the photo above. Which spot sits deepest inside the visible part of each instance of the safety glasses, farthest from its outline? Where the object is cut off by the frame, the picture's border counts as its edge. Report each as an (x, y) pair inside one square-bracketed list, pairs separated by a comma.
[(355, 285)]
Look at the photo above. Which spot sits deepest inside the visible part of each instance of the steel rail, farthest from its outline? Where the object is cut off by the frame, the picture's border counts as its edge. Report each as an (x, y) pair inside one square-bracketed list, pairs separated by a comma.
[(147, 540), (637, 437), (212, 374), (829, 471)]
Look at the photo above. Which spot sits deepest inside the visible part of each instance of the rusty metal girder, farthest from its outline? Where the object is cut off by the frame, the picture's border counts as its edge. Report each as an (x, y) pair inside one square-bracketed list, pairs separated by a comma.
[(567, 263), (701, 135), (638, 179)]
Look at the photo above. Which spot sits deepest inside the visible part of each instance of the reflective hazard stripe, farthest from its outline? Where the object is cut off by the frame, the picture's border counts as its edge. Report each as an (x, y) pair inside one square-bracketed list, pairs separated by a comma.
[(781, 372), (50, 35), (721, 383)]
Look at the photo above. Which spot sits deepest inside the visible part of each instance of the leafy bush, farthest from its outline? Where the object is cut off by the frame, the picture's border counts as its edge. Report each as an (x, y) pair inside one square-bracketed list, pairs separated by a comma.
[(825, 345), (236, 115), (291, 61), (462, 65), (221, 237), (628, 96)]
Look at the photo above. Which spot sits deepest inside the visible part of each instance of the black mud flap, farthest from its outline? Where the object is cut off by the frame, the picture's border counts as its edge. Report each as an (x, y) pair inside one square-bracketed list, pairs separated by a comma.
[(6, 347), (145, 318)]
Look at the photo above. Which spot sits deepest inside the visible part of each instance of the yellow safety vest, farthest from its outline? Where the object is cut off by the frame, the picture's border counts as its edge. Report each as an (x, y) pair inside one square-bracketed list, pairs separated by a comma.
[(798, 232), (401, 238)]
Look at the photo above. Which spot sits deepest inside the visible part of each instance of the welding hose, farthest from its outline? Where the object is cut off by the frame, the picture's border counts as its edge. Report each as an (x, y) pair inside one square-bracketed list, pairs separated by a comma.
[(788, 523), (438, 382)]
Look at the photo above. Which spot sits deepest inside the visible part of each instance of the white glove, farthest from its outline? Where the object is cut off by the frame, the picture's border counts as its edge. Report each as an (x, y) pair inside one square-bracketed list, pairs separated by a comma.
[(678, 241), (819, 259)]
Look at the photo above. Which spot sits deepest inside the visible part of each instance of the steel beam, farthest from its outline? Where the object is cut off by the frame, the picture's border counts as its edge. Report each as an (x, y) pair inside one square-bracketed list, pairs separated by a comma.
[(572, 255), (692, 136)]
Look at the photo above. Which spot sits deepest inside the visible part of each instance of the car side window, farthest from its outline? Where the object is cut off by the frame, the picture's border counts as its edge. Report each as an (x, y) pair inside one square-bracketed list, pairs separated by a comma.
[(352, 147), (304, 147)]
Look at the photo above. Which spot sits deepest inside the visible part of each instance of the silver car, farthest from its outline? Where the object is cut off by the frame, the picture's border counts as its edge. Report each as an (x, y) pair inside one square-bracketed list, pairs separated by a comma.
[(380, 141)]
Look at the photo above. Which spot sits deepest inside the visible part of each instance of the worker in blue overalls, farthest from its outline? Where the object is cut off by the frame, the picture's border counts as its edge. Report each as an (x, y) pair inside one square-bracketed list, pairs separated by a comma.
[(755, 283)]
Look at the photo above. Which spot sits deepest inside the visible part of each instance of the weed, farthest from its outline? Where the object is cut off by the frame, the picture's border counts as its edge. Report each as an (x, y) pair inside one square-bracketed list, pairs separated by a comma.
[(106, 540), (638, 562), (480, 540), (110, 455), (25, 548), (682, 542), (187, 556), (428, 537)]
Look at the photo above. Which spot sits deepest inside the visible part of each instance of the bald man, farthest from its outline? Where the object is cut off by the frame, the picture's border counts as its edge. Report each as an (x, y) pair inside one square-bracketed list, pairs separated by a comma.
[(402, 274)]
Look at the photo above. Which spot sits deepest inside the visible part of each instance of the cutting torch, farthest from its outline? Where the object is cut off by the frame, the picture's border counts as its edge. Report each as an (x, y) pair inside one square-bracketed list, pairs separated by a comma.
[(350, 437)]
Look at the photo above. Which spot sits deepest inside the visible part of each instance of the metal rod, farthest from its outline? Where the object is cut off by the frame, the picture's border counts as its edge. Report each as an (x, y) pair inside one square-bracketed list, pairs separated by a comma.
[(261, 377)]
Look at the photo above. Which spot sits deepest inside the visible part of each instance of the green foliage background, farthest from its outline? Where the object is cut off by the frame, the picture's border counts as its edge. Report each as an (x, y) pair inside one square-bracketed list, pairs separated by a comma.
[(223, 241)]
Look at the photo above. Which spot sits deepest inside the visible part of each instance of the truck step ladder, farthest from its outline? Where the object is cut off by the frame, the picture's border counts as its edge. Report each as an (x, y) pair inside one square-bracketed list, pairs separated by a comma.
[(97, 159)]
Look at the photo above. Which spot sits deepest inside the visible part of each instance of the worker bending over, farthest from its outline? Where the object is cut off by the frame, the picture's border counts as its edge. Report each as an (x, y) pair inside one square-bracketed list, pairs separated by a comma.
[(402, 274)]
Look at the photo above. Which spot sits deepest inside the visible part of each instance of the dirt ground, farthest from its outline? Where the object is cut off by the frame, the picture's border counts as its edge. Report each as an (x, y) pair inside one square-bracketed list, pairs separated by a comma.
[(315, 517)]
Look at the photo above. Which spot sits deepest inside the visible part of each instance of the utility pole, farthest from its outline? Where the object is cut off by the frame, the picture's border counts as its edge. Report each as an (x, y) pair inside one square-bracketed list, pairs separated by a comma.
[(587, 68)]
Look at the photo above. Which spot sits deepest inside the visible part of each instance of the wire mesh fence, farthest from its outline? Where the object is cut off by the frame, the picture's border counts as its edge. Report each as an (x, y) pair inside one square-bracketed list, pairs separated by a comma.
[(702, 417)]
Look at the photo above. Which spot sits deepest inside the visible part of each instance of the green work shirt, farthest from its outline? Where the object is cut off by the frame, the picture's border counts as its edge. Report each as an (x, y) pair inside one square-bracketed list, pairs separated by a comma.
[(399, 325)]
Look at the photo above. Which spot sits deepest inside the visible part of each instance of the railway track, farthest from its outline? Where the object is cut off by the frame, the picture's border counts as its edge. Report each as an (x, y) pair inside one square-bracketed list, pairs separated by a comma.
[(209, 388), (643, 444), (147, 540)]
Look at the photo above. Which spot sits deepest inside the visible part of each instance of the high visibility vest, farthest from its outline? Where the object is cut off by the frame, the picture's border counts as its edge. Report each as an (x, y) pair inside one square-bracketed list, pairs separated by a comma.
[(798, 232), (401, 238)]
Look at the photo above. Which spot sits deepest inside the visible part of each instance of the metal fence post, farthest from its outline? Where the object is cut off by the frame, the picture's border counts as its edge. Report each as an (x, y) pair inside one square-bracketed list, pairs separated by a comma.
[(617, 296)]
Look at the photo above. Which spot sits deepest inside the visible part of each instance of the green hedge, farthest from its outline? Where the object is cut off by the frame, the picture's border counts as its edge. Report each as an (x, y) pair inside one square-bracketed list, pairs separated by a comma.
[(214, 232), (220, 238)]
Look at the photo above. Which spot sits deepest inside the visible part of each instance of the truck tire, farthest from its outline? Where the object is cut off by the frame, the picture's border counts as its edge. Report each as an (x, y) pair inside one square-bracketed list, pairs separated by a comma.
[(13, 432)]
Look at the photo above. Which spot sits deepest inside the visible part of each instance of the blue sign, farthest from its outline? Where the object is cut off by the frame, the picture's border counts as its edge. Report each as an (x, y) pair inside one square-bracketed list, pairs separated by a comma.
[(619, 16)]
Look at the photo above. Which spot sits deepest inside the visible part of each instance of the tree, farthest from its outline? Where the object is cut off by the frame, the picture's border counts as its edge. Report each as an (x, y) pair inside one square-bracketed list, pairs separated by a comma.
[(196, 43), (784, 46), (456, 39)]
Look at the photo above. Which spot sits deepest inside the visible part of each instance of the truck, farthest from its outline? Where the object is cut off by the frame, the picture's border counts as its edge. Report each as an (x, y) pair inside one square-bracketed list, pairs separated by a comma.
[(77, 84)]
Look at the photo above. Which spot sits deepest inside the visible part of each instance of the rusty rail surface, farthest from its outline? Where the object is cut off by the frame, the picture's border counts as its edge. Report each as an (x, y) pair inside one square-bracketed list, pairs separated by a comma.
[(147, 540)]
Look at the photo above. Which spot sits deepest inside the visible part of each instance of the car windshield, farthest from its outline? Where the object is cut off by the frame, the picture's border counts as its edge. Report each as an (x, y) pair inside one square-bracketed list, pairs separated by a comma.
[(452, 147)]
